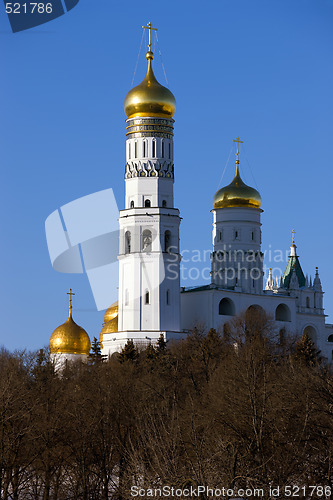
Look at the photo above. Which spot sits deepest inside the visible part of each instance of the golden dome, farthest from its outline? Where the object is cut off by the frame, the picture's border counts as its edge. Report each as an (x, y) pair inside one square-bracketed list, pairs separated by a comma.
[(237, 194), (110, 321), (111, 312), (69, 338), (150, 98)]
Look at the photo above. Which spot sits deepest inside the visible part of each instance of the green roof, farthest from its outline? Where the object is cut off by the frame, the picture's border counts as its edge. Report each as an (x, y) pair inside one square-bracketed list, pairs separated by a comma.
[(293, 263)]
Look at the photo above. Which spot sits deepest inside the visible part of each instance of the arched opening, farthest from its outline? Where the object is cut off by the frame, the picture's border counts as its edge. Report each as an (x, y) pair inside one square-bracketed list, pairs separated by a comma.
[(311, 332), (255, 311), (168, 297), (144, 149), (132, 204), (330, 338), (164, 203), (282, 313), (162, 149), (154, 148), (147, 298), (129, 150), (255, 322), (135, 149), (146, 240), (308, 302), (127, 242), (167, 241), (226, 307), (147, 203)]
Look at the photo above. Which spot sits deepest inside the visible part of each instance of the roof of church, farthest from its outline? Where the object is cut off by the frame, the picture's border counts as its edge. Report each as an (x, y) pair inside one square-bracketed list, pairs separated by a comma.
[(293, 264), (196, 288)]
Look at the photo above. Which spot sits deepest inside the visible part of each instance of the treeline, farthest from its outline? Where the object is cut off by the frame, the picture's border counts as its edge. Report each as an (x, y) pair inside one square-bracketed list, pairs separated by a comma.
[(243, 409)]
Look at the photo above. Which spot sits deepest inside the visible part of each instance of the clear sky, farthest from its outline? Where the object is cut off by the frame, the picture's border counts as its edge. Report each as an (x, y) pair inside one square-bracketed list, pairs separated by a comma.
[(260, 69)]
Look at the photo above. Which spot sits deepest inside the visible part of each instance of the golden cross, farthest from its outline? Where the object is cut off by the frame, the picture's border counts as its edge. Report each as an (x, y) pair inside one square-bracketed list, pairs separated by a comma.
[(70, 293), (149, 27), (293, 233), (238, 141)]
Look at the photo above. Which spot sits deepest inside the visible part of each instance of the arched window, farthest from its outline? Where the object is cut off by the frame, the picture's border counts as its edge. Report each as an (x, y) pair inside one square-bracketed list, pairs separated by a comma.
[(167, 241), (252, 235), (147, 298), (127, 242), (330, 338), (144, 148), (129, 150), (164, 203), (132, 204), (168, 298), (146, 240), (162, 149), (147, 203), (226, 307), (282, 313), (135, 149), (308, 302), (154, 148), (255, 308), (311, 332)]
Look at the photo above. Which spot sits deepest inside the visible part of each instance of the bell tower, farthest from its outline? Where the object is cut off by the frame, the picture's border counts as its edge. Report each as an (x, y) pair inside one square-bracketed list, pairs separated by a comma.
[(237, 261), (149, 259)]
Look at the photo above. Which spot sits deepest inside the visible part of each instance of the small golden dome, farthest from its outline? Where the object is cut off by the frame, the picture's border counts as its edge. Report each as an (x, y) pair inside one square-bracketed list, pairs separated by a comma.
[(110, 321), (150, 98), (111, 312), (237, 194), (69, 338)]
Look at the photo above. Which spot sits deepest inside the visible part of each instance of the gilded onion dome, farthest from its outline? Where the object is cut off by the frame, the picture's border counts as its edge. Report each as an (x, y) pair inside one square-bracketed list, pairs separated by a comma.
[(111, 312), (150, 98), (69, 338), (237, 193), (110, 321)]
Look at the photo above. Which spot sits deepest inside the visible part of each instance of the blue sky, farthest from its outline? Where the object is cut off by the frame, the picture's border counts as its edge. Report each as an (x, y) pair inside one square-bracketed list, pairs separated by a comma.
[(260, 69)]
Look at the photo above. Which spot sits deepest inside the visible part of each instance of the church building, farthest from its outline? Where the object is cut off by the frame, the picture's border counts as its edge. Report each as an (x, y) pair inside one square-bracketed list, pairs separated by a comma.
[(151, 301)]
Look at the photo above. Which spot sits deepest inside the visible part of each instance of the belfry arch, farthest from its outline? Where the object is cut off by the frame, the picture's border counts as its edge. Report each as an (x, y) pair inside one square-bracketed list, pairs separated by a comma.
[(227, 307)]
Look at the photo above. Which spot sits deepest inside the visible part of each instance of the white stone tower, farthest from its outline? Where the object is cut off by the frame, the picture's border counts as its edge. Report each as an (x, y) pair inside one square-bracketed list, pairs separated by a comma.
[(237, 261), (149, 259)]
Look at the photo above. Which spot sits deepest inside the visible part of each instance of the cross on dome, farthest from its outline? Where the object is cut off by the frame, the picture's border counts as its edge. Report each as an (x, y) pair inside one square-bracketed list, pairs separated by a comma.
[(149, 28), (70, 293), (238, 142)]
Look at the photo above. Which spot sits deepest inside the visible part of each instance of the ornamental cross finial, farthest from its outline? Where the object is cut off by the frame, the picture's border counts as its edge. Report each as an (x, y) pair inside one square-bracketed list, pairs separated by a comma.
[(238, 141), (70, 293), (293, 233), (149, 27)]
